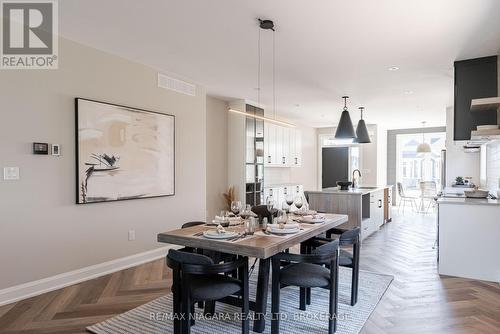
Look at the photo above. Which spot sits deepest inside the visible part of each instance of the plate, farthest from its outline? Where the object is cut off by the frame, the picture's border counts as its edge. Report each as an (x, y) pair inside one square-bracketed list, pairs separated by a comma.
[(213, 234), (284, 231)]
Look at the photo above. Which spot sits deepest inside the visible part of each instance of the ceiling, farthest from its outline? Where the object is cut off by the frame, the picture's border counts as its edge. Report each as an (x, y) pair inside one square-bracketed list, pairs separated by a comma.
[(324, 49)]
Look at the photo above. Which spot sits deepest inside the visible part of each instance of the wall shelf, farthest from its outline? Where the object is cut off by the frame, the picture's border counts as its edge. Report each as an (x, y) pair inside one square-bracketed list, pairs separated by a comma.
[(486, 104)]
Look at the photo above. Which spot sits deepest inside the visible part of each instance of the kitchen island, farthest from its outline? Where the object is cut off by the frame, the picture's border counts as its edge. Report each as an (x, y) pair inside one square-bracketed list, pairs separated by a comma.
[(468, 238), (367, 207)]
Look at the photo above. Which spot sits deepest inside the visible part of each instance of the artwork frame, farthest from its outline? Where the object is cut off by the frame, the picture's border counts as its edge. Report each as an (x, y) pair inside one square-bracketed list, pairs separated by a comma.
[(166, 124)]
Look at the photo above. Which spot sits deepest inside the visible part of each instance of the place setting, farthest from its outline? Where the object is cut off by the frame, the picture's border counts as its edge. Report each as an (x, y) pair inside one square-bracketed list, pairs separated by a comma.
[(231, 226)]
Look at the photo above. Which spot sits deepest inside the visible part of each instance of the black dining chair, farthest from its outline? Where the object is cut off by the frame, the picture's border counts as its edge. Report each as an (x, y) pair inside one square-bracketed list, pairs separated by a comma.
[(306, 271), (214, 255), (196, 278), (262, 212), (346, 259)]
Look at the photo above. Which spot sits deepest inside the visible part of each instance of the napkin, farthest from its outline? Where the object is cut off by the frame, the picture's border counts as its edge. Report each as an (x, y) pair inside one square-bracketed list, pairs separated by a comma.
[(231, 219), (308, 217)]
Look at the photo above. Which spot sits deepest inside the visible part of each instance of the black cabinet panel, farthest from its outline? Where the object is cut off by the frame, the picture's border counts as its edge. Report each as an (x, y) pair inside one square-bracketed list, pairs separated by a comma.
[(335, 165), (474, 79)]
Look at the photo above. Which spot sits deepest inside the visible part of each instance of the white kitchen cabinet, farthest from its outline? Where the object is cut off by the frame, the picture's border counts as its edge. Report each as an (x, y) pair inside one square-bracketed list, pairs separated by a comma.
[(372, 223), (285, 137), (297, 157), (282, 146), (377, 210), (270, 144)]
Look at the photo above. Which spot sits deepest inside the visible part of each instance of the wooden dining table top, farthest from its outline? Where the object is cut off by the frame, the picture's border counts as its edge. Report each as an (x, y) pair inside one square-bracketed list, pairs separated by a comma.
[(259, 245)]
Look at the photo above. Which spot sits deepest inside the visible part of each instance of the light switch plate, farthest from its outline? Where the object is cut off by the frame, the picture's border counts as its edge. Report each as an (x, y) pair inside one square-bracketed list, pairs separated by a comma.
[(11, 173)]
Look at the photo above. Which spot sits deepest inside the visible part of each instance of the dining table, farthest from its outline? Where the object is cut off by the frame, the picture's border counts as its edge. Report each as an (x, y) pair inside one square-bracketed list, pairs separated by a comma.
[(261, 245)]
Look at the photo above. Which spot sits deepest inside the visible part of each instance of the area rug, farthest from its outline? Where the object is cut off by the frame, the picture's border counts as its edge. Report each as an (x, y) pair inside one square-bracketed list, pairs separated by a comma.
[(156, 317)]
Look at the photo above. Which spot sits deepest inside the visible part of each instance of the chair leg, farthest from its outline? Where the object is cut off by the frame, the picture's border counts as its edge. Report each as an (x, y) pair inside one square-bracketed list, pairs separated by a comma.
[(186, 308), (209, 307), (275, 298), (191, 315), (333, 300), (354, 286), (176, 296), (245, 321), (308, 296), (302, 298)]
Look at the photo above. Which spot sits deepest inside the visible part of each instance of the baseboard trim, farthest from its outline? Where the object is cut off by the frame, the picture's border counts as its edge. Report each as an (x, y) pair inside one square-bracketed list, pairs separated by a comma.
[(35, 288)]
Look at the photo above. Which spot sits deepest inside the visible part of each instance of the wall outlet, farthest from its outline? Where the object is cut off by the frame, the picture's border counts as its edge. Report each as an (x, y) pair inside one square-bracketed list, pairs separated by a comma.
[(131, 235), (11, 173)]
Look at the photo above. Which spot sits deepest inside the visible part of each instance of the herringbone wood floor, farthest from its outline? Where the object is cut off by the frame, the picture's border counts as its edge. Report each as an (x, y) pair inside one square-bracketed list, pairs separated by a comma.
[(418, 301)]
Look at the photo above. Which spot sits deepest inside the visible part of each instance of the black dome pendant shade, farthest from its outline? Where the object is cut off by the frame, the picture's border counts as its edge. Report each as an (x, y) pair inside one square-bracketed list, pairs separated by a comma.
[(363, 137), (345, 130)]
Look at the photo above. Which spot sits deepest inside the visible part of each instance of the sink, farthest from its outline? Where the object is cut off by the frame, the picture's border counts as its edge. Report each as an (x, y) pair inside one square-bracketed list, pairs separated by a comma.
[(362, 187)]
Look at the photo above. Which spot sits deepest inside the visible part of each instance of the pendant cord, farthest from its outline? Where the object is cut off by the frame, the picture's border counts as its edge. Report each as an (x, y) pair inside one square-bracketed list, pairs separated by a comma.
[(274, 75), (258, 70)]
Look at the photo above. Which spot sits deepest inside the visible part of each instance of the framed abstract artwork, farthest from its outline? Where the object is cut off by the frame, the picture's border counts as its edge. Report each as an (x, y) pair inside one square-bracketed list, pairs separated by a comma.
[(122, 152)]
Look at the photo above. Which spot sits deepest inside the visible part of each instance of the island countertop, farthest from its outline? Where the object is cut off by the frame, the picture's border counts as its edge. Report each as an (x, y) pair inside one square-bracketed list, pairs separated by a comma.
[(467, 201), (361, 190)]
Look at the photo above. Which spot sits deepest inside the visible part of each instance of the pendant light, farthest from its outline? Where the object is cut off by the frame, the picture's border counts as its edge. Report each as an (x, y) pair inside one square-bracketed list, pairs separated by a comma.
[(362, 135), (265, 25), (345, 130), (423, 147)]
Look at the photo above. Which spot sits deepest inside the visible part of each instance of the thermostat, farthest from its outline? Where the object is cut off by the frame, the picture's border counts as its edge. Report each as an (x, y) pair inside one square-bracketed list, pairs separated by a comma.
[(41, 148)]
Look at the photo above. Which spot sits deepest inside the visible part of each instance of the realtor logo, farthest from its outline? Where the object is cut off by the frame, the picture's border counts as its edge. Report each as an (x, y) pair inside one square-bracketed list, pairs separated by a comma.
[(29, 35)]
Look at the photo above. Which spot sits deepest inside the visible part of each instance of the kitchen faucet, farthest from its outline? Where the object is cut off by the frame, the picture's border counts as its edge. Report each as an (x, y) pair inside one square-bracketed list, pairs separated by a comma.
[(354, 185)]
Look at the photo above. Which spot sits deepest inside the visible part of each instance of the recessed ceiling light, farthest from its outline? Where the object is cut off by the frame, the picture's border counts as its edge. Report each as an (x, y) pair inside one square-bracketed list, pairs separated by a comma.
[(393, 68), (297, 105), (408, 92)]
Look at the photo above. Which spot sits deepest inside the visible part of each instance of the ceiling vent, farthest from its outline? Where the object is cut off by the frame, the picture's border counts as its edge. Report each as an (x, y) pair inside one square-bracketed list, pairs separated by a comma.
[(176, 85)]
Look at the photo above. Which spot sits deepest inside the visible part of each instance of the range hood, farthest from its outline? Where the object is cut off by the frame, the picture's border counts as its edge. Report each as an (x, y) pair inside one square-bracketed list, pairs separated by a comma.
[(481, 105)]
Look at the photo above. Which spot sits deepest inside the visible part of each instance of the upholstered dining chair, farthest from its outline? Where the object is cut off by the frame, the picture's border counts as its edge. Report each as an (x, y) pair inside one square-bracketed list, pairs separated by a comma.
[(262, 212), (216, 257), (196, 278), (349, 259), (316, 270)]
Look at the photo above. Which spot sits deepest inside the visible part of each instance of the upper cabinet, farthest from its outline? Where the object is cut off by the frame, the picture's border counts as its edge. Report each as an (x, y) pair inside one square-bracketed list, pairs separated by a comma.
[(282, 147), (474, 79)]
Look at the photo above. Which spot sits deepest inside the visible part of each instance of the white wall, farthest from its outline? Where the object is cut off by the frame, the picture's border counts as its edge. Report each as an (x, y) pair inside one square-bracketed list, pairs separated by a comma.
[(493, 167), (459, 163), (42, 231), (216, 144)]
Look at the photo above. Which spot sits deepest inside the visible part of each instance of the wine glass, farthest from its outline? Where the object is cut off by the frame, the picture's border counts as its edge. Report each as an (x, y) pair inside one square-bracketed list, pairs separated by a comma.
[(270, 203), (236, 207), (285, 207), (282, 217), (298, 202), (289, 199)]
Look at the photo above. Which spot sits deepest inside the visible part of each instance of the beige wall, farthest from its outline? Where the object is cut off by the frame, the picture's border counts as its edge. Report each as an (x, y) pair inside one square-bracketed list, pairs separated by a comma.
[(42, 231), (216, 155)]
